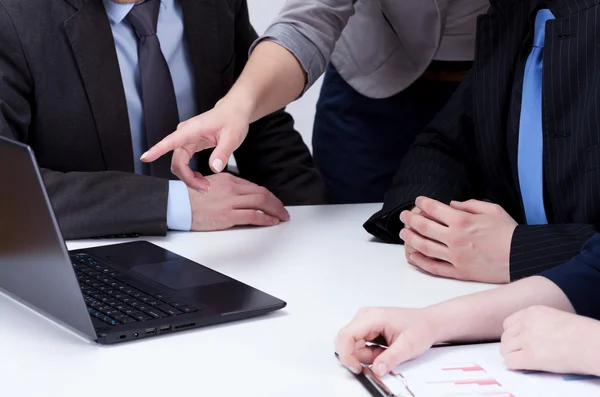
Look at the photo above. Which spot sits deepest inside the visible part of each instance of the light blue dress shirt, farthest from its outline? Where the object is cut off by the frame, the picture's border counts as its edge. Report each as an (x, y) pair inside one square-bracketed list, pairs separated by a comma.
[(170, 33)]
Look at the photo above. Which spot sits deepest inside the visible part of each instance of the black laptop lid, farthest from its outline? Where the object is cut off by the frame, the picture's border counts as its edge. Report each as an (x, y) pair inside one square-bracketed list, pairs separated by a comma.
[(34, 265)]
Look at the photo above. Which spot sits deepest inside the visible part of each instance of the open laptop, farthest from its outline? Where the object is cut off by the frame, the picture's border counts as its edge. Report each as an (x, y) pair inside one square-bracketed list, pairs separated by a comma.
[(111, 294)]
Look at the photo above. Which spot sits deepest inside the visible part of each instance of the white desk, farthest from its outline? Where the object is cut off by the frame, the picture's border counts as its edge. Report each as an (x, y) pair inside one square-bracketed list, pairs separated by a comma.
[(322, 263)]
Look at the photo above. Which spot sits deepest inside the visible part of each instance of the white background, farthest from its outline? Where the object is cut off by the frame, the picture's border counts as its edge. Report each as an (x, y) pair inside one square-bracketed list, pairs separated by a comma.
[(262, 12)]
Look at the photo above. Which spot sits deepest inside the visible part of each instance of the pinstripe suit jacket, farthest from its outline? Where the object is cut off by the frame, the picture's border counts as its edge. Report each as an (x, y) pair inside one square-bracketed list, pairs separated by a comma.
[(470, 149)]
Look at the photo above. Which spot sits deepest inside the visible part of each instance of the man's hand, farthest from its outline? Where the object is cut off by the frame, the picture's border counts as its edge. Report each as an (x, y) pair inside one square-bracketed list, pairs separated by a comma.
[(232, 201), (224, 127), (408, 250), (408, 333), (466, 240), (545, 339)]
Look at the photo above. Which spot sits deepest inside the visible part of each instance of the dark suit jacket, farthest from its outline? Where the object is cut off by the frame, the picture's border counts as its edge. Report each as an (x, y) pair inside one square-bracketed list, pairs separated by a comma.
[(61, 93), (470, 149), (580, 279)]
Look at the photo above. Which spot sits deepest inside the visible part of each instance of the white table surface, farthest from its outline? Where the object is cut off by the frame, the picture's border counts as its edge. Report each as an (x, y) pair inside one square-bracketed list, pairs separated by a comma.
[(322, 263)]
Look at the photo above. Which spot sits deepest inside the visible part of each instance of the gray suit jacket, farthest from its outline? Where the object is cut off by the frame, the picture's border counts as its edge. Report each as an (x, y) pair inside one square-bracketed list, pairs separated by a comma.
[(382, 49)]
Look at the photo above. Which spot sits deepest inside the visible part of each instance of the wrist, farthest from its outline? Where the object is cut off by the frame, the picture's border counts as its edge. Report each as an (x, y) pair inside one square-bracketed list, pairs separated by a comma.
[(505, 276), (458, 320), (240, 102), (592, 349), (441, 325)]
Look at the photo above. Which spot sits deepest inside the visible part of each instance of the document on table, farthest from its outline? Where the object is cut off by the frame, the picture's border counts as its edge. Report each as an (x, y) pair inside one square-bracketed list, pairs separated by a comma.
[(479, 371)]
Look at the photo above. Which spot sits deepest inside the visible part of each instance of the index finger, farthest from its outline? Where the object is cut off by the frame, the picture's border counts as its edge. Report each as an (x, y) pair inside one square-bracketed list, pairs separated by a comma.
[(440, 211), (185, 135), (168, 144)]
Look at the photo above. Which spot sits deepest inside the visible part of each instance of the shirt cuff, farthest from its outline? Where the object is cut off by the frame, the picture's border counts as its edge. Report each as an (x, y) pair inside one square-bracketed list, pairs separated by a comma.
[(179, 208), (306, 52)]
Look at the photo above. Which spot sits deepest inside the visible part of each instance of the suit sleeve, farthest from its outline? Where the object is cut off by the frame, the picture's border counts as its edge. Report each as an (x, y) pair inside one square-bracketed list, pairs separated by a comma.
[(579, 279), (86, 204), (437, 165), (536, 248), (274, 154)]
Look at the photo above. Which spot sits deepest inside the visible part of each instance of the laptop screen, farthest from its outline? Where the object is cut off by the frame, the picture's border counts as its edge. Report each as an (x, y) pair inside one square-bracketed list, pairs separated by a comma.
[(34, 264)]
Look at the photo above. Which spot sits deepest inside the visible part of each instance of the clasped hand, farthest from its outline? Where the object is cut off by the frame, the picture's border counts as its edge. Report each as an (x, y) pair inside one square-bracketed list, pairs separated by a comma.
[(232, 201), (464, 240)]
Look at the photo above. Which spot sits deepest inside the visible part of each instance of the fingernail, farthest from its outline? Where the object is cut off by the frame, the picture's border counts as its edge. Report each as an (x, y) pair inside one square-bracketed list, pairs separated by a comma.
[(144, 156), (382, 370), (202, 192), (357, 371), (218, 165), (453, 202), (403, 217), (403, 234)]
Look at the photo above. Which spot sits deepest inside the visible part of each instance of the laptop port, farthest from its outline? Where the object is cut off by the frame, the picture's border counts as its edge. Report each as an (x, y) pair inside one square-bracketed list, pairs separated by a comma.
[(165, 328), (150, 331), (122, 336), (184, 326), (136, 335)]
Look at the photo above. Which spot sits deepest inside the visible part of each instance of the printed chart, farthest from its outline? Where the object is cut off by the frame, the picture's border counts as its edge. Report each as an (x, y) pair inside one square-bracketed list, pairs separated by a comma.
[(468, 379), (479, 371)]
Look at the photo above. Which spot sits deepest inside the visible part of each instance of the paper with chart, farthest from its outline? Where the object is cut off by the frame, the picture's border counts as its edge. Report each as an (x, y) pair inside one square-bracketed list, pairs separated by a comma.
[(479, 371)]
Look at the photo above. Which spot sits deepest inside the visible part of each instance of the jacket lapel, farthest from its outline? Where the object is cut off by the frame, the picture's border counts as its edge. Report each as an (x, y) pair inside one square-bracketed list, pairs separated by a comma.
[(201, 30), (498, 46), (93, 46)]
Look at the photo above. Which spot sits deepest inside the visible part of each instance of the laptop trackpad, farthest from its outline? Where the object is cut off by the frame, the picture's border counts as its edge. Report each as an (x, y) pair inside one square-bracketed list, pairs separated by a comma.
[(180, 274)]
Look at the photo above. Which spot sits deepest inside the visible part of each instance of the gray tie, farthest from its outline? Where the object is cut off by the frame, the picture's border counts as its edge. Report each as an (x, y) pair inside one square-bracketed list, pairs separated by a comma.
[(158, 95)]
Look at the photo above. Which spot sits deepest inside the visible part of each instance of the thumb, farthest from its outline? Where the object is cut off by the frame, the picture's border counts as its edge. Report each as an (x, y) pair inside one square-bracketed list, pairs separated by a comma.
[(228, 143), (400, 351), (473, 206)]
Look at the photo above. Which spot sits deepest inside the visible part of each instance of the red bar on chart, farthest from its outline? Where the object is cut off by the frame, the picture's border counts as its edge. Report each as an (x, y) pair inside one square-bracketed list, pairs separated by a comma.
[(485, 394), (472, 368), (480, 382), (477, 382)]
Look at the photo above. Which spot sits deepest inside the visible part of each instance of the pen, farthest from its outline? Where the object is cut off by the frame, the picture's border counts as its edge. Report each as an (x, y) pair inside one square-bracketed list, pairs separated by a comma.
[(376, 386), (380, 341)]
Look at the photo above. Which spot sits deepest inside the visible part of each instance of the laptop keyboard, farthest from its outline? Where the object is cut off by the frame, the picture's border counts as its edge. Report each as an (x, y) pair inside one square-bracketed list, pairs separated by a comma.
[(114, 301)]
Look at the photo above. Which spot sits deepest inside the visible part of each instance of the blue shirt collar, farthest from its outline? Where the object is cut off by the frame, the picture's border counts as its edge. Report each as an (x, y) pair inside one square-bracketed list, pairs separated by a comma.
[(117, 12)]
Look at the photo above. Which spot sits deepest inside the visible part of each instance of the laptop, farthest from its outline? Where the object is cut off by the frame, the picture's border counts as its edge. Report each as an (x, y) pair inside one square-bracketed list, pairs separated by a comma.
[(111, 294)]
